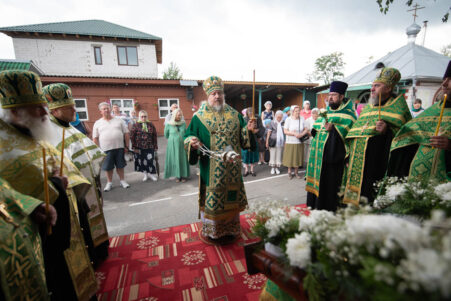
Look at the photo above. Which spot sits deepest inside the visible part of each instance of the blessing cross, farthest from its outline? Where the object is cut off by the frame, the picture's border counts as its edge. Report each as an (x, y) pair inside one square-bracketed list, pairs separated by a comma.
[(416, 7)]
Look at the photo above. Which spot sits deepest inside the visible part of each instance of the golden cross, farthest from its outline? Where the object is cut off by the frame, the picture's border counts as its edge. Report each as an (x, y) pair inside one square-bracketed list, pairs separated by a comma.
[(416, 7)]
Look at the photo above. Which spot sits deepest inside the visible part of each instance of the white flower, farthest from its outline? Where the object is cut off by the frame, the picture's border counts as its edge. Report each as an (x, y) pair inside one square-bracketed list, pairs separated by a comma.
[(395, 191), (444, 191), (298, 250), (278, 218)]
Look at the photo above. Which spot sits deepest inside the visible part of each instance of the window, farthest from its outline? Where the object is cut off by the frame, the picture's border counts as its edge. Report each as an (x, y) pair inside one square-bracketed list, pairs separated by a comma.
[(125, 105), (81, 108), (127, 55), (164, 106), (98, 55)]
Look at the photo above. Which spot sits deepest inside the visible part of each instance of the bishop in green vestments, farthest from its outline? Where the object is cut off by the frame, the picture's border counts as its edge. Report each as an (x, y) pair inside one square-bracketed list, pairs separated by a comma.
[(219, 127), (415, 151), (370, 138), (328, 152)]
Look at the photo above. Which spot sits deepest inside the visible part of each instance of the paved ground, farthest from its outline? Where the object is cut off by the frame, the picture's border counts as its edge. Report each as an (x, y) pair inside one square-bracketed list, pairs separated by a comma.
[(155, 205)]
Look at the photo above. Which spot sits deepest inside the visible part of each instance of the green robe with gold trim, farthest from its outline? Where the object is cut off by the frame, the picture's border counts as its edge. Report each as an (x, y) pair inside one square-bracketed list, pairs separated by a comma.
[(221, 192), (21, 165), (22, 275), (369, 150), (327, 155), (87, 157), (411, 154)]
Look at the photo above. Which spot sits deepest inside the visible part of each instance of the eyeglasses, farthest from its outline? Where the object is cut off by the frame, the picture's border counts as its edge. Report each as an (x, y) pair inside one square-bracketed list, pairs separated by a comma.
[(143, 116)]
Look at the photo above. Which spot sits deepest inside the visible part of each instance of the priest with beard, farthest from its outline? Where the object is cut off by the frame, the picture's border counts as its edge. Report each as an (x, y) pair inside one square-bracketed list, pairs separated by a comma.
[(218, 127), (370, 138), (328, 152), (416, 151), (24, 133), (85, 154)]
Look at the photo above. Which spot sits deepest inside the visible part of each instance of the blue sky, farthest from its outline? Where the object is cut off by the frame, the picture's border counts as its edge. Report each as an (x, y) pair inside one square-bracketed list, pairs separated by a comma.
[(279, 39)]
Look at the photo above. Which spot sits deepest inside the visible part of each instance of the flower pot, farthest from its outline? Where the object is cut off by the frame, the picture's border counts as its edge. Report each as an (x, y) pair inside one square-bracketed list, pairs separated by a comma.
[(273, 250)]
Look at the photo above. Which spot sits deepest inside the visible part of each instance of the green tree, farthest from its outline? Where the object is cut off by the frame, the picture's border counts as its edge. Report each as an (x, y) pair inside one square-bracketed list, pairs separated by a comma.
[(173, 72), (329, 67), (446, 50), (384, 6)]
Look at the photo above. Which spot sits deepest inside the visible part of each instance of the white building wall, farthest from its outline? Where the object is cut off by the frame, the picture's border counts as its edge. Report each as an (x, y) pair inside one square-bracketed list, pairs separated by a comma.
[(425, 92), (76, 58)]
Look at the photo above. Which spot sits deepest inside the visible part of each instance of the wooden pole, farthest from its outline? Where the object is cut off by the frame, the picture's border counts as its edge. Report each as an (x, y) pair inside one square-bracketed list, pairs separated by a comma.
[(253, 96), (62, 154), (441, 115), (46, 192)]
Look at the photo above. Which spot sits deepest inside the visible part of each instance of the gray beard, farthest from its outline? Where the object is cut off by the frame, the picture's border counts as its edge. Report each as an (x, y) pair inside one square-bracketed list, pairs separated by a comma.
[(40, 128), (374, 100), (217, 108)]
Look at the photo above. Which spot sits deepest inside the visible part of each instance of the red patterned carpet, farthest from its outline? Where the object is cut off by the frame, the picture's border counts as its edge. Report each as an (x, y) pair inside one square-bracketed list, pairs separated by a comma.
[(174, 264)]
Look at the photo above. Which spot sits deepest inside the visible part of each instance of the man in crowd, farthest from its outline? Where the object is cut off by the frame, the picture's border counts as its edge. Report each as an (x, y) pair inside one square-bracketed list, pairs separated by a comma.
[(370, 138), (328, 152), (218, 127), (87, 157), (112, 135), (416, 151), (168, 117), (24, 133), (20, 245)]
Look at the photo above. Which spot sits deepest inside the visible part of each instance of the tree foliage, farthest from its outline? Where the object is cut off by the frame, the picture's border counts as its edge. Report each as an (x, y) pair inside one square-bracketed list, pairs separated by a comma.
[(173, 72), (329, 67), (446, 50), (384, 6)]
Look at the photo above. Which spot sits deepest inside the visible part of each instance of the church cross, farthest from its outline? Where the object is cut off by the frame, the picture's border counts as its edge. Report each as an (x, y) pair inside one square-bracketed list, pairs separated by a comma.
[(416, 7)]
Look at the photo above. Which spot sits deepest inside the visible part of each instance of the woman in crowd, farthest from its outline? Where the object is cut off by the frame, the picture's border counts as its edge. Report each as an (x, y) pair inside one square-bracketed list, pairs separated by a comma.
[(293, 152), (306, 112), (275, 140), (176, 163), (268, 112), (249, 157), (143, 136), (417, 109), (309, 125)]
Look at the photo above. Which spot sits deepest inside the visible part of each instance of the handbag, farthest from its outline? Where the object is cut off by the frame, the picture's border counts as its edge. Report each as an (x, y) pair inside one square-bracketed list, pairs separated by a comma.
[(305, 137), (271, 142)]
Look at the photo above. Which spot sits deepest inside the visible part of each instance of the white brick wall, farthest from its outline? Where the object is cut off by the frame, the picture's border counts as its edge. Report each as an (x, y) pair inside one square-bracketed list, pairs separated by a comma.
[(76, 58)]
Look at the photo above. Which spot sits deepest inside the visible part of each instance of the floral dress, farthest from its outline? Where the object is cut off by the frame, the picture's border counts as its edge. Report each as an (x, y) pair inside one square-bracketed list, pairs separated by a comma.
[(144, 141)]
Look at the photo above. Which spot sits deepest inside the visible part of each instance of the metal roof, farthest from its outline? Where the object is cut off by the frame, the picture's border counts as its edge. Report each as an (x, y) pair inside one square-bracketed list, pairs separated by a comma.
[(19, 65), (86, 27), (412, 60)]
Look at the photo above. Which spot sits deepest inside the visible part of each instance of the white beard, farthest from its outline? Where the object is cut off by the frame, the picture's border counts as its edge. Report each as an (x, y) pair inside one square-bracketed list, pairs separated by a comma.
[(217, 108), (40, 128), (374, 100)]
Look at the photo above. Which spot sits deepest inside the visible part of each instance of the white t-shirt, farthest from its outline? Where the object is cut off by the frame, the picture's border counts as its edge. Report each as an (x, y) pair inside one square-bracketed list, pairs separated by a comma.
[(110, 133), (294, 125)]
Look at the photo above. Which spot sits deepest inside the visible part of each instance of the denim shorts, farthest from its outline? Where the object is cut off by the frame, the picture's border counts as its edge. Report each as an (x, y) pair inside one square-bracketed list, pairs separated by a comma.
[(114, 157)]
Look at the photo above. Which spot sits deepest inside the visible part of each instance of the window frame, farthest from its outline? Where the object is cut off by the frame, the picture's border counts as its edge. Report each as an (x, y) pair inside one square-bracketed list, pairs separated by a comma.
[(166, 108), (126, 55), (122, 108), (100, 55), (85, 109)]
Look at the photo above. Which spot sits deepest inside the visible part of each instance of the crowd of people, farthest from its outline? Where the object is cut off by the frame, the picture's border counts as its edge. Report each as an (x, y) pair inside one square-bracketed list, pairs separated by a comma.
[(53, 232)]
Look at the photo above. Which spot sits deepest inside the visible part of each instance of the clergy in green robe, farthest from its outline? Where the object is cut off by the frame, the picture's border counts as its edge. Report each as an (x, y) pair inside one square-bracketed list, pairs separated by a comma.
[(416, 152), (87, 157), (176, 163), (24, 132), (218, 127), (22, 275), (328, 152), (370, 138)]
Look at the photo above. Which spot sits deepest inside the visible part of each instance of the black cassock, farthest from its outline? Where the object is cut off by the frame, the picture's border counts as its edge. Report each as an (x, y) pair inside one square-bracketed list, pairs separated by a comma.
[(331, 174)]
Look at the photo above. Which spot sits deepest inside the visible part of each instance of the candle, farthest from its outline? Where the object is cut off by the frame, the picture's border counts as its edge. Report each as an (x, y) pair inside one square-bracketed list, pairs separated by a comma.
[(46, 191), (441, 115), (62, 154), (379, 106), (253, 97)]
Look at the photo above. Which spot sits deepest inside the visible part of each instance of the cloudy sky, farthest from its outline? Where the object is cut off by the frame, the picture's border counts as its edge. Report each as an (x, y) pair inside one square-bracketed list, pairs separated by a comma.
[(280, 39)]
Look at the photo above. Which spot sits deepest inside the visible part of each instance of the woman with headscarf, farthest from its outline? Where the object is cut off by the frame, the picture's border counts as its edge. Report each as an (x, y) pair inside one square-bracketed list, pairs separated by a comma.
[(275, 140), (176, 163), (144, 143), (250, 157)]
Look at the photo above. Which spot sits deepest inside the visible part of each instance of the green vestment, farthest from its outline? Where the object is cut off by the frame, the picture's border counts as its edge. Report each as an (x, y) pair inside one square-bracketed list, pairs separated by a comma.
[(221, 192), (22, 275), (395, 113), (427, 161), (176, 163), (87, 157), (21, 165), (342, 118)]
